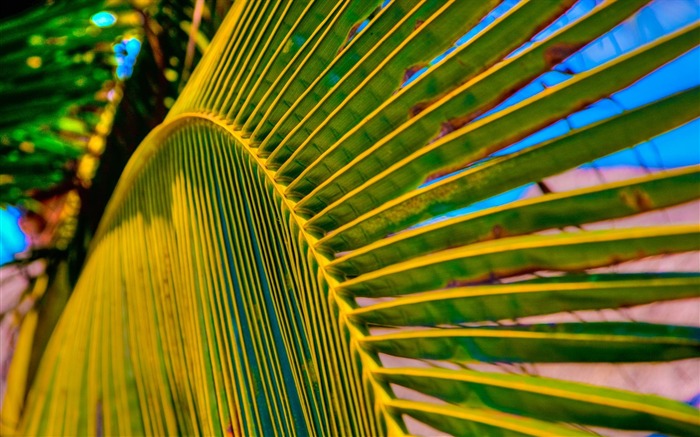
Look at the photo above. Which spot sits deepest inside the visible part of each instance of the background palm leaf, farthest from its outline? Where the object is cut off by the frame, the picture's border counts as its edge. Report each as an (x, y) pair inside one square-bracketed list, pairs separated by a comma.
[(293, 251)]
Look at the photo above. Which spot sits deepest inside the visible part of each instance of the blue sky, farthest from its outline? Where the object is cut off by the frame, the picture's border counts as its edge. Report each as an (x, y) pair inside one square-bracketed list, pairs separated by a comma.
[(12, 239)]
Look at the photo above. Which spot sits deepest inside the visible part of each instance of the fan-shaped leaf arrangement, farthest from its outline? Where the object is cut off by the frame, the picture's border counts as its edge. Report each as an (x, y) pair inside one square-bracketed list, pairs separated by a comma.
[(303, 246)]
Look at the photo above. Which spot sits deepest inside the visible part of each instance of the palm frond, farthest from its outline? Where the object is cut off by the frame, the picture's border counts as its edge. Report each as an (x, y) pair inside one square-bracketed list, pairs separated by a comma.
[(292, 252)]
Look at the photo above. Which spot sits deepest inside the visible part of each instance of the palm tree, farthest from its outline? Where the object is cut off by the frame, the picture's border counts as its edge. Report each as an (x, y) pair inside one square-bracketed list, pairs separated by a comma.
[(359, 219)]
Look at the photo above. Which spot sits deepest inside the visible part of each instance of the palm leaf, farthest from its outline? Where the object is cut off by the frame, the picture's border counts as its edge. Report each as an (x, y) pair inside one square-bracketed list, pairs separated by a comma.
[(510, 301), (578, 403), (556, 210), (292, 252), (564, 342), (462, 422)]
